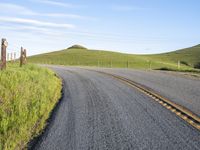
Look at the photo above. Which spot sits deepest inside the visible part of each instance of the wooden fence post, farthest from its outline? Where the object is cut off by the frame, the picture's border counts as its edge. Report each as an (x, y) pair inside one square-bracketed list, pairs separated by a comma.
[(150, 65), (22, 57), (4, 45), (179, 65), (11, 57), (8, 57), (25, 60), (98, 64), (127, 64), (14, 56)]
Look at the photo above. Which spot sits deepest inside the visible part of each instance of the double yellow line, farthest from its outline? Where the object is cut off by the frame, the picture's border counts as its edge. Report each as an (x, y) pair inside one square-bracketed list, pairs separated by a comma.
[(179, 110)]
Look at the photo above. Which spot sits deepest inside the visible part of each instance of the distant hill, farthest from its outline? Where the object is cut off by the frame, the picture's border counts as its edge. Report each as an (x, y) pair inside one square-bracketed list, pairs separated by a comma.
[(80, 56)]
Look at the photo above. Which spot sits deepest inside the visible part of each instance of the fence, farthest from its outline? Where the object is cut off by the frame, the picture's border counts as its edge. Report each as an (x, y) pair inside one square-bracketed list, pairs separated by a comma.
[(129, 64), (11, 55)]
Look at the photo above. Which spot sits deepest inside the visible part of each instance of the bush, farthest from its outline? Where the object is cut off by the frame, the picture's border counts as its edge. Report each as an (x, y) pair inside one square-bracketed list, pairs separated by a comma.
[(197, 65), (165, 69), (184, 63)]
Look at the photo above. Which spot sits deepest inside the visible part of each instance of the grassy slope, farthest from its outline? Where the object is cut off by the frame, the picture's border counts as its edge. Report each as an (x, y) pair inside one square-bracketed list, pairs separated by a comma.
[(190, 55), (108, 59), (27, 96)]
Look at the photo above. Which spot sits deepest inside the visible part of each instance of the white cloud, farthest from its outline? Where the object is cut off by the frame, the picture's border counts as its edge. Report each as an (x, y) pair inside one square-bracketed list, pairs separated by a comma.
[(35, 22), (9, 8), (30, 28), (125, 8), (13, 8), (55, 3), (66, 15)]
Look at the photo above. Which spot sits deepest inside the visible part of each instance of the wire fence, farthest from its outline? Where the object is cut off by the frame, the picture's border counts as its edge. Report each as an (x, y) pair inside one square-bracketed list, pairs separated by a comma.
[(131, 64)]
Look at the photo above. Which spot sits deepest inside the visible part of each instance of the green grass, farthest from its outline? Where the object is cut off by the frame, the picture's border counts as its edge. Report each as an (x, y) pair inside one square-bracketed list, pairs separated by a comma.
[(27, 96), (189, 55), (84, 57)]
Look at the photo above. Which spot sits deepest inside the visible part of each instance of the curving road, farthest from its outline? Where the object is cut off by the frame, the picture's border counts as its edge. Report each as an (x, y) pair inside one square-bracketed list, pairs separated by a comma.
[(98, 112)]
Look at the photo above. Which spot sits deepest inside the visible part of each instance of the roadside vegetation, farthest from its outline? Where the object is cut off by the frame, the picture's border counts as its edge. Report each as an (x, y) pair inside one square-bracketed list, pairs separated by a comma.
[(78, 56), (197, 65), (180, 70), (27, 96)]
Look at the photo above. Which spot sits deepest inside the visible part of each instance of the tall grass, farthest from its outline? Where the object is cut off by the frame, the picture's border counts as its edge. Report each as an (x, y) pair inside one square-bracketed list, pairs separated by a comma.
[(27, 96)]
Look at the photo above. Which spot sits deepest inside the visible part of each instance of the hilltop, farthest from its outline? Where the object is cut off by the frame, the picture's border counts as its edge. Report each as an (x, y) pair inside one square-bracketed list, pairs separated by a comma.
[(80, 56), (77, 47)]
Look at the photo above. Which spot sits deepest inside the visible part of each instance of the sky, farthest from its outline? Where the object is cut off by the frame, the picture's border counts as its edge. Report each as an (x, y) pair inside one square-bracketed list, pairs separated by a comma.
[(128, 26)]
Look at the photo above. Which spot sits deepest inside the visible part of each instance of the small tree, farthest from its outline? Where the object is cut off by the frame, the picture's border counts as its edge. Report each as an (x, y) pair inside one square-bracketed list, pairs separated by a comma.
[(197, 65)]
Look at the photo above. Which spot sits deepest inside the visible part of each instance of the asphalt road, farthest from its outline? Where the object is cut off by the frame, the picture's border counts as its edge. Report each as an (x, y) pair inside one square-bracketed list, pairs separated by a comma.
[(98, 112), (181, 90)]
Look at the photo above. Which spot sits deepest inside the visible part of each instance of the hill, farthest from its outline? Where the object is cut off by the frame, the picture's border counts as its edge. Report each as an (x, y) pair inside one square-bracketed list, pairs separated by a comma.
[(77, 47), (190, 56), (77, 56)]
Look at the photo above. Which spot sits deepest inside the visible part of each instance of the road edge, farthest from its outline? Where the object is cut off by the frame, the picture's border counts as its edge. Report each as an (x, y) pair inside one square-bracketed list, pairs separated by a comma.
[(33, 142)]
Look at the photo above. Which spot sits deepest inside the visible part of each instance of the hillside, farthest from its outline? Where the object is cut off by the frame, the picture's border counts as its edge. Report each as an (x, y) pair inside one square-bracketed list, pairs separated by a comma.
[(85, 57), (191, 55)]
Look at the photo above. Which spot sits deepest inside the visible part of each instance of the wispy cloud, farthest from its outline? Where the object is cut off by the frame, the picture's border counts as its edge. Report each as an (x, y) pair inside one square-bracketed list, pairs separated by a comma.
[(9, 8), (125, 8), (33, 30), (66, 15), (35, 22), (56, 3), (13, 8)]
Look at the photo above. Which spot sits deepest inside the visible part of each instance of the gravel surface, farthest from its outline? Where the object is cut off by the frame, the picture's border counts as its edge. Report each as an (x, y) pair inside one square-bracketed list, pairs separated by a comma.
[(98, 112), (182, 90)]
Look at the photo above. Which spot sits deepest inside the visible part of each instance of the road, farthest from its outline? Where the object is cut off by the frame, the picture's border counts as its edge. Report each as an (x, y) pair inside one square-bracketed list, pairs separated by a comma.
[(98, 112), (181, 90)]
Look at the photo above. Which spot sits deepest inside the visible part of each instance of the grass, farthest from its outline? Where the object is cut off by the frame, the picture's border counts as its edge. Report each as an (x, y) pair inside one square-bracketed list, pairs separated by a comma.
[(84, 57), (27, 96), (189, 56)]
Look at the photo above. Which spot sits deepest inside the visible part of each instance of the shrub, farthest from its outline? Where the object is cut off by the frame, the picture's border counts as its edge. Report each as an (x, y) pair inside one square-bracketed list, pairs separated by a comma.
[(184, 63), (197, 65), (165, 69)]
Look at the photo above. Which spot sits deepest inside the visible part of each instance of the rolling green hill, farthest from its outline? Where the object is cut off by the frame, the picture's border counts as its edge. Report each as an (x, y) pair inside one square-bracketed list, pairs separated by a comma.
[(80, 56), (191, 56)]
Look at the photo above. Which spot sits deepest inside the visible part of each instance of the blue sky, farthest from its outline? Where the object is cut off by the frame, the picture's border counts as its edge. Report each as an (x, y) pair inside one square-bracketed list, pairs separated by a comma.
[(130, 26)]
